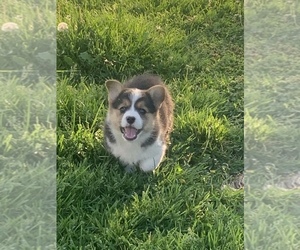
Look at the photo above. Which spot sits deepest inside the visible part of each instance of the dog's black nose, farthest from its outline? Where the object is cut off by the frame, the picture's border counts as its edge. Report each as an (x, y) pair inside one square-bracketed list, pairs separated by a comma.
[(130, 119)]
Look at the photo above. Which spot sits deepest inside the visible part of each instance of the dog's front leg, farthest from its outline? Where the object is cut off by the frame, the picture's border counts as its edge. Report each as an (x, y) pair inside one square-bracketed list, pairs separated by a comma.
[(150, 164)]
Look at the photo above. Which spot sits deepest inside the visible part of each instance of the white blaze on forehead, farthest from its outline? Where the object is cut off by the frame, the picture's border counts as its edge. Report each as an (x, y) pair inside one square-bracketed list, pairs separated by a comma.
[(135, 95), (131, 112)]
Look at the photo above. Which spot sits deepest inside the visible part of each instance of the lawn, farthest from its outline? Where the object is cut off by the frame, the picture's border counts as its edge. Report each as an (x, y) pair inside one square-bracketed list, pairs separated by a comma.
[(272, 135), (197, 48), (27, 126)]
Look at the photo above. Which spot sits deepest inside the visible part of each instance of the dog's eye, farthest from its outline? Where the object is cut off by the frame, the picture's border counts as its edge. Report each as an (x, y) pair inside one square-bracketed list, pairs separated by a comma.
[(142, 111), (122, 109)]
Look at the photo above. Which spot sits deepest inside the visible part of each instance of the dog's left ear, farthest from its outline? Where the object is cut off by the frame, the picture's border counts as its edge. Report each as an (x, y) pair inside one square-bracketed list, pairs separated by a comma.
[(114, 88), (157, 94)]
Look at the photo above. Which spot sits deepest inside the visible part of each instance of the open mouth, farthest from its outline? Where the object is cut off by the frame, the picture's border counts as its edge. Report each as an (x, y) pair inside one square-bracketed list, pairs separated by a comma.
[(130, 133)]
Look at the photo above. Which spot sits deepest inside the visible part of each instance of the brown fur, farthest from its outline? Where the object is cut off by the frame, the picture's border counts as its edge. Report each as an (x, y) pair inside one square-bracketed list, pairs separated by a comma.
[(156, 98), (146, 81), (150, 108)]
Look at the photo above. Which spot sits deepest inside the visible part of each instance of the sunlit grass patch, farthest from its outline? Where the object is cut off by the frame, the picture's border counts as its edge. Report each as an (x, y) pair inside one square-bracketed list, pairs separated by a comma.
[(197, 49), (27, 172), (271, 125)]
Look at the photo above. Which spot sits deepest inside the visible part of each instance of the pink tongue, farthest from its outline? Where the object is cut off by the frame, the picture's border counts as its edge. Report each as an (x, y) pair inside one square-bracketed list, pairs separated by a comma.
[(130, 132)]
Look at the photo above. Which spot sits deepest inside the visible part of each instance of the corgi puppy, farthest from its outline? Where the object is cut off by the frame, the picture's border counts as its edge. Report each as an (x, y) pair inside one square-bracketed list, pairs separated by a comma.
[(139, 121)]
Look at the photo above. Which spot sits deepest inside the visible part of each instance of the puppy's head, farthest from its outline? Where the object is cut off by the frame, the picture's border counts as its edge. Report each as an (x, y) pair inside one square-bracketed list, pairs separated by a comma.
[(131, 110)]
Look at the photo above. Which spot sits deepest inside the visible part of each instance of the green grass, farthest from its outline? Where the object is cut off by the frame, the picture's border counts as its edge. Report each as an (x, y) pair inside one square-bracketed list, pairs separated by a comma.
[(271, 123), (27, 126), (27, 165), (32, 47), (197, 47)]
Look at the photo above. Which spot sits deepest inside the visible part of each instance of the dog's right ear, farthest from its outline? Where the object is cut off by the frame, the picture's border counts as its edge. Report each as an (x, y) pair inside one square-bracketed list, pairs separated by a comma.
[(114, 88)]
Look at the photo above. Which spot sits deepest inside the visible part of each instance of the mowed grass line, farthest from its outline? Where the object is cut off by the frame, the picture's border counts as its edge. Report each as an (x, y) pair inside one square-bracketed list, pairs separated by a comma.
[(182, 205)]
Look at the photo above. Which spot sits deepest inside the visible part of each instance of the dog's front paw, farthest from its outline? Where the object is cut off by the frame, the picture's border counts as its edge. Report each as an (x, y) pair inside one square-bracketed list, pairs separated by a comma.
[(130, 168), (149, 165)]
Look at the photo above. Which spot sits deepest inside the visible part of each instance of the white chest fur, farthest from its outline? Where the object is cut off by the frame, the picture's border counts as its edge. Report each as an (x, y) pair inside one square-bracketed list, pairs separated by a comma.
[(131, 154)]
